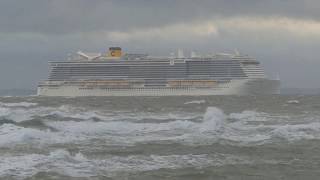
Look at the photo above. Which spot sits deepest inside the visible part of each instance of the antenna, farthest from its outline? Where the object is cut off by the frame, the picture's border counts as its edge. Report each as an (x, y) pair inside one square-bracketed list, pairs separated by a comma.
[(80, 53), (88, 56)]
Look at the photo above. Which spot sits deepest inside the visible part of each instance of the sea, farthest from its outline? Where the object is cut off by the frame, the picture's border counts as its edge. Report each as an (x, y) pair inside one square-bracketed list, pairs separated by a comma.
[(146, 138)]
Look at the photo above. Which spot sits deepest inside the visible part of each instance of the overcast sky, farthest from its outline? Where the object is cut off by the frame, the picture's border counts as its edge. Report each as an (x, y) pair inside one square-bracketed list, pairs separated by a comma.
[(283, 34)]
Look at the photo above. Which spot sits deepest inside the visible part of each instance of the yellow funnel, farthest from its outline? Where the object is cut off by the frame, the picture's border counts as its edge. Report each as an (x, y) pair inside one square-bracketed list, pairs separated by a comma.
[(115, 52)]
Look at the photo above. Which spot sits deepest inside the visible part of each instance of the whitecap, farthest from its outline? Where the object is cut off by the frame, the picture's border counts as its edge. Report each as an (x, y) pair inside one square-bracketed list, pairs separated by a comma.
[(17, 115), (18, 104), (213, 119), (11, 135), (65, 111), (216, 127), (195, 102), (293, 102), (131, 132), (249, 116), (59, 161), (62, 162), (297, 131), (76, 123), (20, 114)]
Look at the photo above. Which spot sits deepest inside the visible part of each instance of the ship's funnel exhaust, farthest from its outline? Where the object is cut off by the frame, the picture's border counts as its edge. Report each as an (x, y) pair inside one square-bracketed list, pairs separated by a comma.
[(115, 52)]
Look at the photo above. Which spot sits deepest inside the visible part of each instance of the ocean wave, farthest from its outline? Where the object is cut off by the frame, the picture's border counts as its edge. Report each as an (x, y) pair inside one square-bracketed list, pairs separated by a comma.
[(249, 116), (62, 162), (195, 102), (268, 128), (11, 134), (293, 102), (214, 127), (19, 104), (67, 112), (20, 114), (297, 131), (212, 120), (16, 115), (128, 128), (57, 161)]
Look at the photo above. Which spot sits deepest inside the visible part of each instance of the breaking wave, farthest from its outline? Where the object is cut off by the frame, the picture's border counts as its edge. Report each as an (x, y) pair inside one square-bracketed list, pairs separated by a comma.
[(21, 113), (64, 138), (195, 102), (19, 104), (11, 134), (68, 124), (66, 112), (78, 165)]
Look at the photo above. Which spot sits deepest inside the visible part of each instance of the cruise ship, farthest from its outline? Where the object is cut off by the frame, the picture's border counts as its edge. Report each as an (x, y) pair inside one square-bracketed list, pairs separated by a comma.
[(117, 74)]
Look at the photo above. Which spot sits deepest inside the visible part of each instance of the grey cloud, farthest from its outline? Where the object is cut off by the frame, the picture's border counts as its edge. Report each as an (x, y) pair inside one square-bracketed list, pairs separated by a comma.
[(61, 16), (283, 34)]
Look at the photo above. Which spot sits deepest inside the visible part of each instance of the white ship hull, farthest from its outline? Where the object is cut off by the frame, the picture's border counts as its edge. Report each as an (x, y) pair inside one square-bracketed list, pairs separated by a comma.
[(234, 87)]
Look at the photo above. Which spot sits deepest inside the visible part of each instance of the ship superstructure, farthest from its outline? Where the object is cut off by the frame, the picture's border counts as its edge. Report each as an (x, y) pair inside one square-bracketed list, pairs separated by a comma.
[(118, 74)]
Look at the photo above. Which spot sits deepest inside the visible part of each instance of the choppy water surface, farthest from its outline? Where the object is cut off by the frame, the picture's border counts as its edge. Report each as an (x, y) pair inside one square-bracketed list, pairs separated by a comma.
[(271, 137)]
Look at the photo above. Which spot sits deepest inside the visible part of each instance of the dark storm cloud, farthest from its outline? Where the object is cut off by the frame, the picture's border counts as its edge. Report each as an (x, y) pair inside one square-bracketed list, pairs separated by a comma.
[(283, 34), (70, 16)]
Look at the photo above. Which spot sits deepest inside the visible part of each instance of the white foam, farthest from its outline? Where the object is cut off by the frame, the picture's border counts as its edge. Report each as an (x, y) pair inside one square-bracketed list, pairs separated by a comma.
[(216, 127), (293, 102), (249, 116), (297, 131), (19, 114), (72, 112), (60, 161), (124, 128), (11, 135), (117, 128), (20, 166), (213, 127), (195, 102), (214, 119), (19, 104), (131, 132)]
